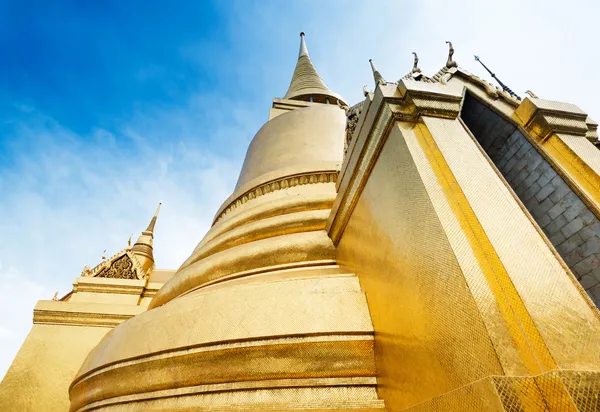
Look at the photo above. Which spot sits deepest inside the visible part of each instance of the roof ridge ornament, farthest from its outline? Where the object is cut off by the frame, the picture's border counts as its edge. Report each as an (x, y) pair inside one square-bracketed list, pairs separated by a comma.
[(415, 68), (504, 87), (531, 94), (376, 75), (450, 63)]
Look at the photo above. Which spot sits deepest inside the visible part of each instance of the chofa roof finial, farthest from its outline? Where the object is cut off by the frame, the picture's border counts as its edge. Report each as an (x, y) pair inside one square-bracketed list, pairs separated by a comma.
[(415, 68), (531, 94), (376, 75), (450, 63)]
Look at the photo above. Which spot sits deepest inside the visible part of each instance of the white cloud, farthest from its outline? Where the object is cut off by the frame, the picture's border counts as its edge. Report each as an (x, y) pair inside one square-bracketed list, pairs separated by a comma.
[(70, 197)]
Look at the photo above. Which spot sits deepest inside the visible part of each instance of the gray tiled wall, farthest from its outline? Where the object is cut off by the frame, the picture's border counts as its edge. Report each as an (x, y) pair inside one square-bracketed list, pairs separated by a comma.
[(571, 227)]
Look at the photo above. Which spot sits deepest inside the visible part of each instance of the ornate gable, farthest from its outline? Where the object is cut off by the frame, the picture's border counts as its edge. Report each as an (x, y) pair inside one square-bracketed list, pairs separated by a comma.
[(123, 265)]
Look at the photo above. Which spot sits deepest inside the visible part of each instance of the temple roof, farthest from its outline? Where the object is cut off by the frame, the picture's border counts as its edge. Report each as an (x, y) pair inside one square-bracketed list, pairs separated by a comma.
[(306, 82), (133, 262)]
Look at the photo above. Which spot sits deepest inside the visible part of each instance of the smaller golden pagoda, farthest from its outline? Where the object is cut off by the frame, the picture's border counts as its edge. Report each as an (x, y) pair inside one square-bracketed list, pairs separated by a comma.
[(66, 329)]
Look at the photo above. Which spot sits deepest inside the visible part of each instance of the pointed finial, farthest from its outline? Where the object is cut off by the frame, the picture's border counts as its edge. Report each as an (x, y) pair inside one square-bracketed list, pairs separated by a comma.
[(303, 49), (365, 90), (55, 297), (306, 84), (531, 94), (129, 241), (86, 270), (450, 63), (142, 248), (103, 257), (376, 75), (416, 64), (153, 221)]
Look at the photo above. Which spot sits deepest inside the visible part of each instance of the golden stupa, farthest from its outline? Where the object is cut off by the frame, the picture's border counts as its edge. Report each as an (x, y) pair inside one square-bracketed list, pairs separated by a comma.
[(427, 249)]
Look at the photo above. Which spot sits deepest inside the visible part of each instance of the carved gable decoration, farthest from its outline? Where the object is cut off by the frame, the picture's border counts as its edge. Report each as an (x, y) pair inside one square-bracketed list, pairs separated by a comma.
[(123, 265), (352, 115), (120, 268)]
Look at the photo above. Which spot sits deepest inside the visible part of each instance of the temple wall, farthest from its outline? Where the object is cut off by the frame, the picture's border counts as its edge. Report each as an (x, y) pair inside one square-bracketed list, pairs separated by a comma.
[(461, 284), (569, 224), (40, 375), (430, 338)]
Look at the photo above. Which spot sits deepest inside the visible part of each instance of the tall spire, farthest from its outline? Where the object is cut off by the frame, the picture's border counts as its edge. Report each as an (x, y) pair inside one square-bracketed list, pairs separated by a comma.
[(153, 221), (306, 83), (143, 248)]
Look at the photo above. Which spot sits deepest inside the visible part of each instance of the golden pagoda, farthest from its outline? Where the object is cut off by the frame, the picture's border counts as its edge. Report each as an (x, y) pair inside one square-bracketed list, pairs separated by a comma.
[(435, 247)]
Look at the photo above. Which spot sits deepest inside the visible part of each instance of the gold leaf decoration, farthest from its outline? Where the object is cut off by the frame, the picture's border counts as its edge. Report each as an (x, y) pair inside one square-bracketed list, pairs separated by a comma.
[(121, 268)]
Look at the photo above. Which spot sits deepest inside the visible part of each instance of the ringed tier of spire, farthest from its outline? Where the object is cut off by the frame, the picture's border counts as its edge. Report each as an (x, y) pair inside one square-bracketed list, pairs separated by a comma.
[(306, 83)]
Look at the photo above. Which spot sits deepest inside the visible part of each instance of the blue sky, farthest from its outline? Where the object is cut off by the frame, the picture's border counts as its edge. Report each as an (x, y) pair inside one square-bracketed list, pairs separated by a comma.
[(107, 108)]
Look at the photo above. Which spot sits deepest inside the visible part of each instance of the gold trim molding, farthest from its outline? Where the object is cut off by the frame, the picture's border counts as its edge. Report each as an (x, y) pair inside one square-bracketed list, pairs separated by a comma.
[(543, 118), (79, 318), (279, 184)]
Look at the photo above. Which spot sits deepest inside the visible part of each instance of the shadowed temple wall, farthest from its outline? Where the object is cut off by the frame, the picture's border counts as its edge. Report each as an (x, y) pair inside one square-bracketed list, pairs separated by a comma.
[(569, 224)]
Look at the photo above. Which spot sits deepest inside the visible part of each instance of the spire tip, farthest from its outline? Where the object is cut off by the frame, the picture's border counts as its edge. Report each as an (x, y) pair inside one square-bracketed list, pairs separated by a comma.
[(306, 84), (303, 49), (153, 221), (376, 75)]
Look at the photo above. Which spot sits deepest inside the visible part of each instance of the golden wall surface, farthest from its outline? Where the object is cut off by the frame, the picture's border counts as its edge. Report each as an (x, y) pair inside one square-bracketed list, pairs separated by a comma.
[(430, 229), (64, 332), (40, 375), (421, 306)]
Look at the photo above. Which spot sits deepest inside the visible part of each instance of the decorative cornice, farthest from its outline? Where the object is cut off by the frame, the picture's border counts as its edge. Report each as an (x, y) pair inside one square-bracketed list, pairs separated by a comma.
[(592, 133), (543, 118), (492, 91), (278, 184), (426, 99), (79, 318), (108, 285), (408, 102)]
